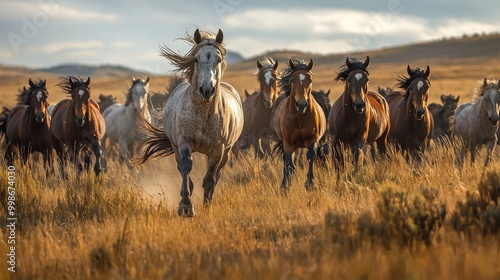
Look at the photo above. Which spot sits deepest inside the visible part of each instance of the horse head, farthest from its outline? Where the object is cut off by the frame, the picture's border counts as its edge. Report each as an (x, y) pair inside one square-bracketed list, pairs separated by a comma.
[(267, 75), (38, 100), (357, 84), (208, 66), (301, 85), (416, 88), (80, 95), (139, 93), (491, 94), (450, 102)]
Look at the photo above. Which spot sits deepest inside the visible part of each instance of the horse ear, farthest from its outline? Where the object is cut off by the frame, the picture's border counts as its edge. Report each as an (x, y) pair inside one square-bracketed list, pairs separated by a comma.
[(24, 88), (71, 82), (219, 37), (485, 82), (259, 65), (327, 93), (367, 62), (246, 93), (456, 99), (44, 82), (347, 62), (147, 80), (443, 98), (427, 72), (31, 83), (311, 64), (408, 70), (88, 81), (197, 36), (133, 79), (275, 65), (292, 65)]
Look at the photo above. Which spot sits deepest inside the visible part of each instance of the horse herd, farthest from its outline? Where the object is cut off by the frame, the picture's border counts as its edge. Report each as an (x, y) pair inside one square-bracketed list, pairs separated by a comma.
[(203, 114)]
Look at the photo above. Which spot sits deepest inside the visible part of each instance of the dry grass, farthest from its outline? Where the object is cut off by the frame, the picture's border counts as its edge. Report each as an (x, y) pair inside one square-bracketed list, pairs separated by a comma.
[(376, 224)]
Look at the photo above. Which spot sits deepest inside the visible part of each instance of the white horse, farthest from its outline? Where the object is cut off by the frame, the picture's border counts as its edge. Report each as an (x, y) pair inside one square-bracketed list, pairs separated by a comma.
[(477, 122), (204, 115), (121, 119)]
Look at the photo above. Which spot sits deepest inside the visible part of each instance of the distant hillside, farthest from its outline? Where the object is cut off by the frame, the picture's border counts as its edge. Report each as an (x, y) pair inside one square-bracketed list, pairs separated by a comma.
[(88, 70), (233, 57), (479, 48)]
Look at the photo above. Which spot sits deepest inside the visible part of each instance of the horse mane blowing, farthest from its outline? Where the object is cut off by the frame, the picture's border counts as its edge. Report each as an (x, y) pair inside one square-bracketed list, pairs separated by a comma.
[(185, 63), (414, 73), (286, 78), (347, 68)]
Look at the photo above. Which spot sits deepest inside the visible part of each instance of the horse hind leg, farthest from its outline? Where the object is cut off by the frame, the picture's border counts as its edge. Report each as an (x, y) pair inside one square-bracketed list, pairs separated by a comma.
[(215, 165), (185, 166)]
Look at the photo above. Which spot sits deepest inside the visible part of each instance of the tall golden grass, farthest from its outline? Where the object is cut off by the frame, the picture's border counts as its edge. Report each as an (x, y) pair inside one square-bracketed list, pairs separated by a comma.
[(391, 220)]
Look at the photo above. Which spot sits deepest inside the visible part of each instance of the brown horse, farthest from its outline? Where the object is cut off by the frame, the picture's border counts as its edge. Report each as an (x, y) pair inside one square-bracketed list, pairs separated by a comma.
[(78, 123), (359, 116), (298, 121), (28, 125), (442, 113), (105, 101), (257, 108), (411, 122)]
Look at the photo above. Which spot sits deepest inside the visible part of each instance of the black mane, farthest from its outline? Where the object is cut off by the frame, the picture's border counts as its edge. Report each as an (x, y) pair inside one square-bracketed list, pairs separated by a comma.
[(355, 64), (66, 87), (286, 77), (405, 82)]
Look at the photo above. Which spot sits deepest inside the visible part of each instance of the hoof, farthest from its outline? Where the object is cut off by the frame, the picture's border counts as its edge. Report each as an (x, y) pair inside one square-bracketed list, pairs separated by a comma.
[(185, 210), (310, 185)]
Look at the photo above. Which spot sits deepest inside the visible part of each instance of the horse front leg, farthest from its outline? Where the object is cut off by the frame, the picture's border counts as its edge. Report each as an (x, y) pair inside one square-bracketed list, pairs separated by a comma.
[(215, 165), (337, 155), (490, 146), (311, 155), (356, 149), (96, 148), (8, 154), (185, 165), (288, 170)]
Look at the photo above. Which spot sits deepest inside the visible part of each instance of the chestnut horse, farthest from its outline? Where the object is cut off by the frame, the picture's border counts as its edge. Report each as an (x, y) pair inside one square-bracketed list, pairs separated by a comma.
[(78, 123), (298, 121), (28, 125), (257, 108), (359, 116), (411, 122)]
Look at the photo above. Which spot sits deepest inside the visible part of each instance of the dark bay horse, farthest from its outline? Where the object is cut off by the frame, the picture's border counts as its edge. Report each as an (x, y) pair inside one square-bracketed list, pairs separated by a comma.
[(411, 122), (359, 116), (78, 123), (257, 108), (442, 113), (298, 121), (105, 101), (204, 115), (28, 125)]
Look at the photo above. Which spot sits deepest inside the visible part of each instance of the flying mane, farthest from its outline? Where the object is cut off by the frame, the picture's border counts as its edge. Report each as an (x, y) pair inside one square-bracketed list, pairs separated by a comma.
[(345, 71), (286, 78), (185, 63)]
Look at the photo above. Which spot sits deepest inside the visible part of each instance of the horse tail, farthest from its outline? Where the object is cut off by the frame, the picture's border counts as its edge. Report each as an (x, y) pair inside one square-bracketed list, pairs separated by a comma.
[(4, 117), (154, 144), (278, 149)]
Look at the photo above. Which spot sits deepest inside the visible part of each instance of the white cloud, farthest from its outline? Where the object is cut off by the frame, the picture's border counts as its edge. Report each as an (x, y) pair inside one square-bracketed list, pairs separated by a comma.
[(121, 45), (19, 9), (62, 46)]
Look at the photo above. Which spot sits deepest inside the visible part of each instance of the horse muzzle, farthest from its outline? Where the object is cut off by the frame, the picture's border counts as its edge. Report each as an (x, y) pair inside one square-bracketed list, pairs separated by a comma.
[(494, 121), (268, 103), (419, 114), (359, 107), (39, 117), (207, 93), (80, 121), (301, 107)]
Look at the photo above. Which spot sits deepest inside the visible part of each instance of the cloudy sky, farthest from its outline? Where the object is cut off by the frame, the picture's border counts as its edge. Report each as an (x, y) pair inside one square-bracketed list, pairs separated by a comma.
[(40, 33)]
